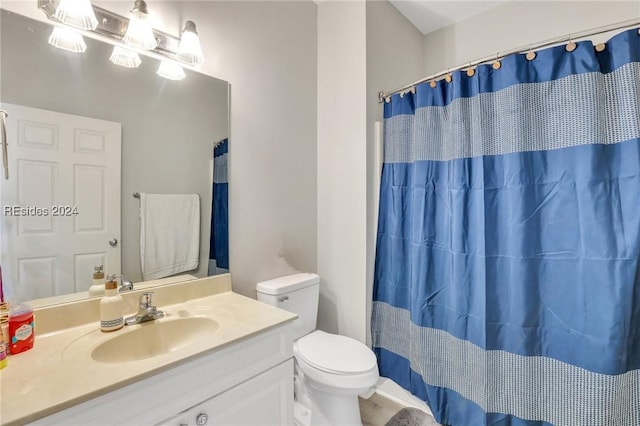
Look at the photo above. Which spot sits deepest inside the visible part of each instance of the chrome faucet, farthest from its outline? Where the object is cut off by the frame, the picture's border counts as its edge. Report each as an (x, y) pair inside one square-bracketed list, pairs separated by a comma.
[(125, 284), (146, 311)]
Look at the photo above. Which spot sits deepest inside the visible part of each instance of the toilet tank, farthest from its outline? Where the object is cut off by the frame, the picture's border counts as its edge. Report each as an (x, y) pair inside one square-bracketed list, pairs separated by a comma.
[(297, 293)]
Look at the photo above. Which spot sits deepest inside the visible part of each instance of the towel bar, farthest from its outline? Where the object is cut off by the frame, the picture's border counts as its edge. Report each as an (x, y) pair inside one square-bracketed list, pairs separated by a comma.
[(137, 195)]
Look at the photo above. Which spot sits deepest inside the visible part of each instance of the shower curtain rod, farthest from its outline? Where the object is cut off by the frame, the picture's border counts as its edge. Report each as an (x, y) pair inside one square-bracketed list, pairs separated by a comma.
[(382, 96)]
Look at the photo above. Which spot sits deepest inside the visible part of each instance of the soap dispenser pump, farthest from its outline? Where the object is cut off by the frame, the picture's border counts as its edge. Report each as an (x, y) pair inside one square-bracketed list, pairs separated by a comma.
[(111, 306), (97, 288)]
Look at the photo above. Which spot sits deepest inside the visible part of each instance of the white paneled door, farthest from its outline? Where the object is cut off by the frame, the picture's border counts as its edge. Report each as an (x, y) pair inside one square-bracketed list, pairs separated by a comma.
[(61, 204)]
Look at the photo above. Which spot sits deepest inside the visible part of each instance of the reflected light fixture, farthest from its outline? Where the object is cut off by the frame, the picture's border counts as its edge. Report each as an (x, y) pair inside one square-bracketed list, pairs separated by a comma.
[(171, 70), (190, 50), (67, 39), (139, 32), (76, 13), (125, 57)]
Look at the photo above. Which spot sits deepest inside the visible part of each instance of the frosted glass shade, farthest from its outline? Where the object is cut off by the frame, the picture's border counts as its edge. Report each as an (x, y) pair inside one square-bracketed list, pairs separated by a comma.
[(125, 57), (67, 39), (76, 13), (190, 50), (139, 32), (171, 70)]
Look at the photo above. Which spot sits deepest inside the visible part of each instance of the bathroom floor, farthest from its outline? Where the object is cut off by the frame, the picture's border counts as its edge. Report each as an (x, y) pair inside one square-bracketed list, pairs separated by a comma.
[(381, 411)]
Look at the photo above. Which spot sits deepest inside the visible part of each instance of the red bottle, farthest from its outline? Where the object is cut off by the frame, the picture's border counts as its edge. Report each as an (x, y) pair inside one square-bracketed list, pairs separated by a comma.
[(21, 329)]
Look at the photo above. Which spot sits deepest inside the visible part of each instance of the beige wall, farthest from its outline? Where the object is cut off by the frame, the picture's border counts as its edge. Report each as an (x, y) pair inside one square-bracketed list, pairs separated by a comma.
[(357, 57), (516, 24), (391, 62), (342, 166), (267, 52)]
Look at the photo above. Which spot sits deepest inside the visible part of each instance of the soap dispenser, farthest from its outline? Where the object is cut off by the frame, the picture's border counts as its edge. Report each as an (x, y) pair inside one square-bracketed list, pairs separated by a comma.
[(97, 288), (111, 306)]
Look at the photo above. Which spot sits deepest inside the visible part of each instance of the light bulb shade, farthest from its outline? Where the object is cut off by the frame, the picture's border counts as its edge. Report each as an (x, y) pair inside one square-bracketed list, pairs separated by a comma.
[(139, 32), (76, 13), (190, 50), (171, 70), (67, 39), (125, 57)]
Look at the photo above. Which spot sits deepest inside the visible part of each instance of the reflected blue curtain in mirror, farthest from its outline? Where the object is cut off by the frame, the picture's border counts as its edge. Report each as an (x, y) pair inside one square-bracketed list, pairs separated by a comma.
[(219, 242), (507, 276)]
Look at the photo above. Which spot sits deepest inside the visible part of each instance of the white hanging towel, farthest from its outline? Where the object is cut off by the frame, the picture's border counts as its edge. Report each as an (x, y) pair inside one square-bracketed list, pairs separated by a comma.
[(169, 234)]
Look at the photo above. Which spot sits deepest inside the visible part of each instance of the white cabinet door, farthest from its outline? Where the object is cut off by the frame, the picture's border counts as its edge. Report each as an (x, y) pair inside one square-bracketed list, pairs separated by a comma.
[(241, 375), (69, 166), (264, 400)]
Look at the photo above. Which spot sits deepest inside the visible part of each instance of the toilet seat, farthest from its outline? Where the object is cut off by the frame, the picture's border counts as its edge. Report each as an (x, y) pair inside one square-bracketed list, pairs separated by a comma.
[(335, 354)]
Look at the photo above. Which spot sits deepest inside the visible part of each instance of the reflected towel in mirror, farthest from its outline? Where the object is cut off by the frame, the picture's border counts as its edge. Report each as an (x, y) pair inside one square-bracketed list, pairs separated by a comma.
[(169, 234)]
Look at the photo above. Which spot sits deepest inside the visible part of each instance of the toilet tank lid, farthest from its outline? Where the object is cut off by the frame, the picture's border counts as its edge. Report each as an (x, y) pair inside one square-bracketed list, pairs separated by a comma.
[(288, 283)]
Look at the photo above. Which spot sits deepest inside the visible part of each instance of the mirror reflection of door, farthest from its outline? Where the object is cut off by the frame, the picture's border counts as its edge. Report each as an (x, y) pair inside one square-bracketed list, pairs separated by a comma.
[(219, 240), (61, 203), (168, 127)]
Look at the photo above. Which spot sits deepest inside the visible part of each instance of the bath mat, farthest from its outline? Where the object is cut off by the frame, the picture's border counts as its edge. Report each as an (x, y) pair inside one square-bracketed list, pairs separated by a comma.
[(411, 417)]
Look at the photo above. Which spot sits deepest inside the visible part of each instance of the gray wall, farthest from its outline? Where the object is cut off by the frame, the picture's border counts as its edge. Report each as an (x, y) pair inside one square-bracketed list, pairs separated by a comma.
[(267, 52), (168, 127), (519, 23), (342, 166)]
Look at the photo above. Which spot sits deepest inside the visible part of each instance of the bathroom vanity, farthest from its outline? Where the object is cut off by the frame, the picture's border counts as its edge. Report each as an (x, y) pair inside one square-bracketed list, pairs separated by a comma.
[(215, 358)]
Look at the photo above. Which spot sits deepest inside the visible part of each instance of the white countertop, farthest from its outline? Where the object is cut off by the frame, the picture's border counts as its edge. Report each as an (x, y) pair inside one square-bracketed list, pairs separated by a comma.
[(59, 371)]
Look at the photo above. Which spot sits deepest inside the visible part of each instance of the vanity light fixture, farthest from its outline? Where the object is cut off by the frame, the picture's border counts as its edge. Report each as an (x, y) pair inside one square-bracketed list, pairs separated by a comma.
[(67, 39), (171, 70), (139, 32), (135, 31), (76, 13), (190, 50), (125, 57)]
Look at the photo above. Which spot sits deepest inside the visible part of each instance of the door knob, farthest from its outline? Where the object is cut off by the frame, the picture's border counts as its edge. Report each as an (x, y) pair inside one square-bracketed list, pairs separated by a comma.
[(113, 242)]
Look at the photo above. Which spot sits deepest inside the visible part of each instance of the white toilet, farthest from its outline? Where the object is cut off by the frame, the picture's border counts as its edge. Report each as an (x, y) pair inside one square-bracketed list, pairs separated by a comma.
[(330, 370)]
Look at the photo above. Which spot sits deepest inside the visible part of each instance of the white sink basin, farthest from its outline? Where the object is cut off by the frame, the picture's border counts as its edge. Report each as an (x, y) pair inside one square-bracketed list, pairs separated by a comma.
[(153, 338)]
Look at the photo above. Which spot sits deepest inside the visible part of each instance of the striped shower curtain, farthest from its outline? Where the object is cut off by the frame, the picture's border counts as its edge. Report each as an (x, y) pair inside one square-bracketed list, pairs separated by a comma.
[(507, 277)]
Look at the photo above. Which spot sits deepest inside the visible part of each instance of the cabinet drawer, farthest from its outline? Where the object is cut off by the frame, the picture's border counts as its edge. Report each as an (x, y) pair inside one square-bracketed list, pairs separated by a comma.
[(264, 400)]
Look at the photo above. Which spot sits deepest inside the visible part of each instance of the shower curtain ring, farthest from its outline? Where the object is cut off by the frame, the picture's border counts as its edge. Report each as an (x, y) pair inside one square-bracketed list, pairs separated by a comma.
[(531, 55), (497, 64), (571, 46), (471, 70)]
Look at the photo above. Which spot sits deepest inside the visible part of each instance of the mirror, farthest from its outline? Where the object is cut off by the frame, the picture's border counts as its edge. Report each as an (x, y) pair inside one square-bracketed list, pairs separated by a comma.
[(168, 133)]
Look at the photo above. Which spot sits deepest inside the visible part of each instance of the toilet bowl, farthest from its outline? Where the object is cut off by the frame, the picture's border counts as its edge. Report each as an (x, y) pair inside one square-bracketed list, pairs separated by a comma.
[(334, 370), (330, 370)]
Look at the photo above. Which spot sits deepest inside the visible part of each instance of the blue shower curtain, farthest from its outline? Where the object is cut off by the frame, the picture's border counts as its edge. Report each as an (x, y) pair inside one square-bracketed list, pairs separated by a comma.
[(507, 277), (219, 241)]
